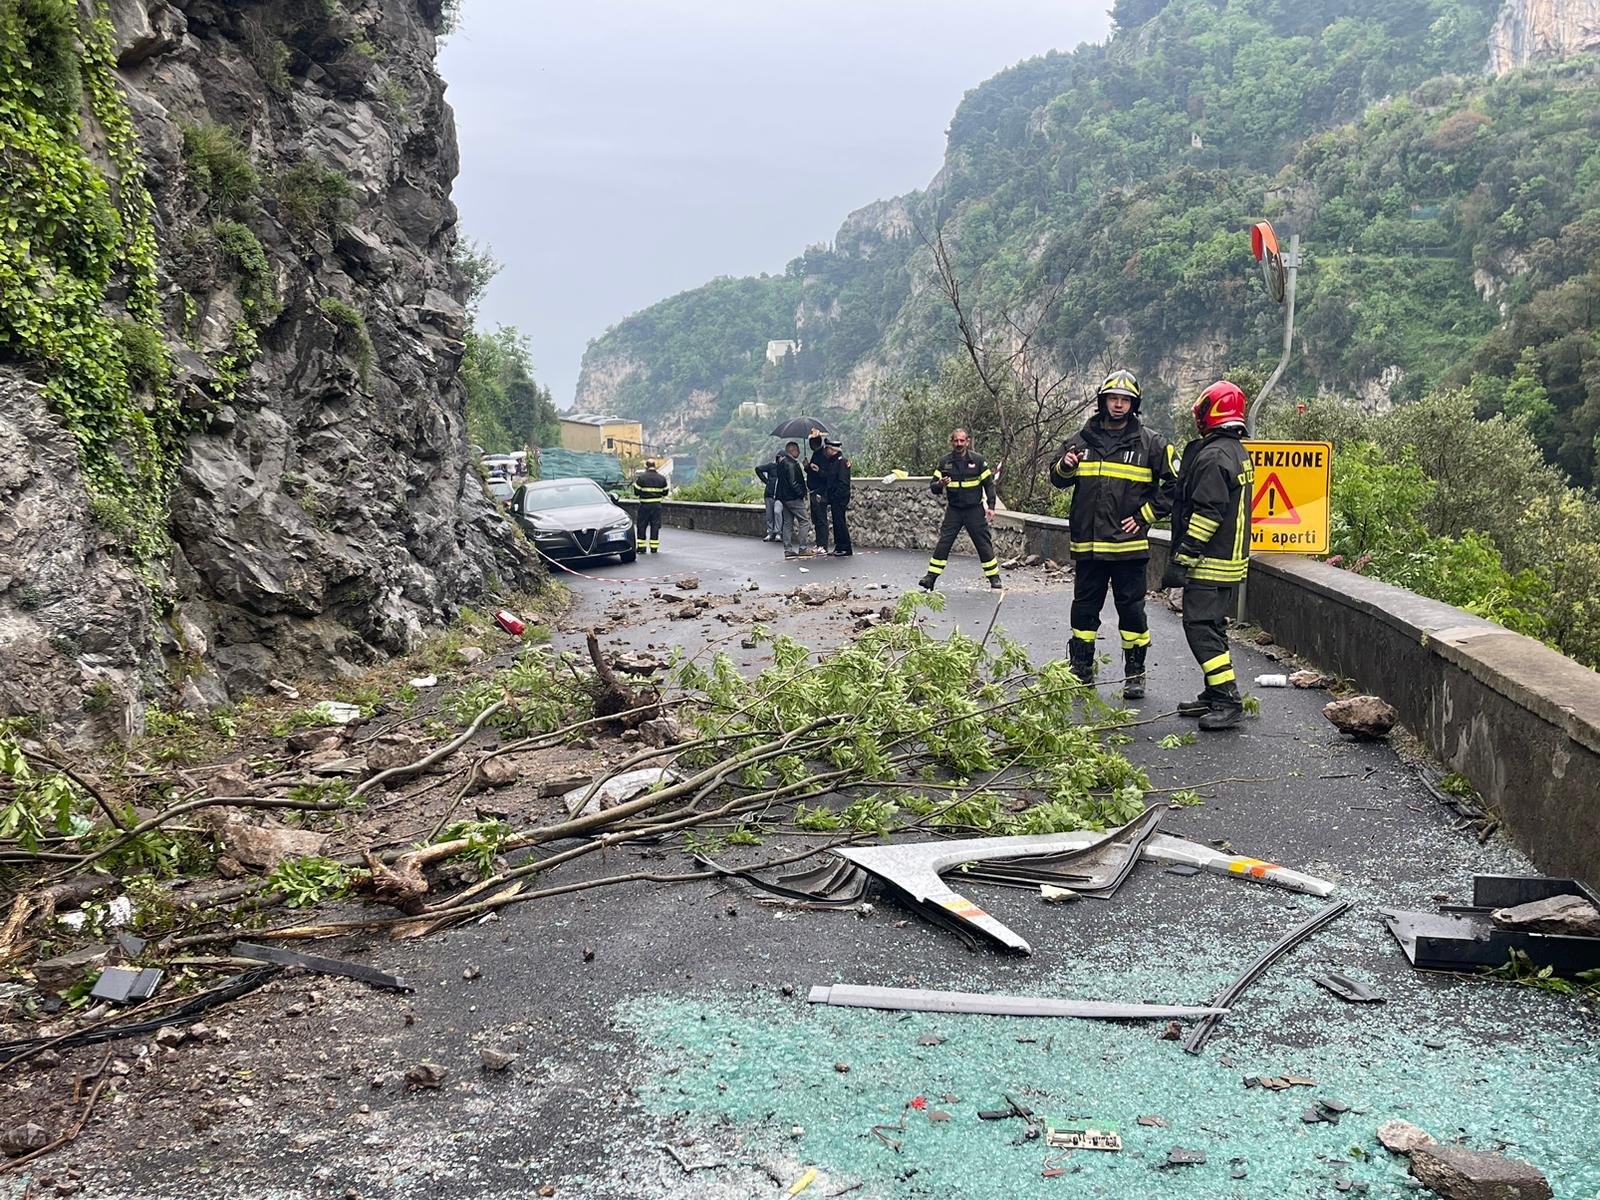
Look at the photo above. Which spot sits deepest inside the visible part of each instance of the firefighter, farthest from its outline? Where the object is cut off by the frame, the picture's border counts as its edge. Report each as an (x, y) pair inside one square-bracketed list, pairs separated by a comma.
[(1211, 547), (967, 485), (650, 486), (1121, 474)]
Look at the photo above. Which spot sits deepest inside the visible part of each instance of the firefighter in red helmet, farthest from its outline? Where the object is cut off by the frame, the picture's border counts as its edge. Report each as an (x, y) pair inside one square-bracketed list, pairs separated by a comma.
[(1211, 546)]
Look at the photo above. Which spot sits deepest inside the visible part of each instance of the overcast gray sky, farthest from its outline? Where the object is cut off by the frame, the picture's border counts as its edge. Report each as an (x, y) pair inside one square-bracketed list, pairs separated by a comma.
[(615, 152)]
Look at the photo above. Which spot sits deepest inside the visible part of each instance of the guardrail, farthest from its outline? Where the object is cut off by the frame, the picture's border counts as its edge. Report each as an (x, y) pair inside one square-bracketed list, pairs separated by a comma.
[(1517, 719)]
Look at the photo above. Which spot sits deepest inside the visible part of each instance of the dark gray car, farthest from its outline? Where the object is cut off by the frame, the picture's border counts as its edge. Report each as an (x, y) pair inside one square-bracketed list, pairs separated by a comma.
[(571, 519)]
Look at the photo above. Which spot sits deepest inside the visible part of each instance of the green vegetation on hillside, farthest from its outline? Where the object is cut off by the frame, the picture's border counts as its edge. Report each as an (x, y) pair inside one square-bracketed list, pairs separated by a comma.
[(1434, 499), (506, 408)]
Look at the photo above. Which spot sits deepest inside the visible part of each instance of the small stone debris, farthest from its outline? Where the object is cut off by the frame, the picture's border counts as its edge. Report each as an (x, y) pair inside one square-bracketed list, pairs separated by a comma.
[(24, 1139), (470, 972), (689, 583), (1171, 1032), (548, 1189), (842, 1068), (1570, 915), (393, 750), (1183, 1156), (787, 989), (171, 1036), (494, 1058), (1308, 679), (816, 594), (1457, 1173), (1153, 1122), (1362, 717), (471, 655), (426, 1075), (662, 732), (1263, 638), (1033, 560), (284, 689), (314, 741), (930, 1039), (498, 773), (1402, 1137), (588, 954)]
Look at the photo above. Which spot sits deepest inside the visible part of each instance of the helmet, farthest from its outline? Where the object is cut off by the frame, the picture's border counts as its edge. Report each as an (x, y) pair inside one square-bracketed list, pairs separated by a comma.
[(1119, 383), (1222, 403)]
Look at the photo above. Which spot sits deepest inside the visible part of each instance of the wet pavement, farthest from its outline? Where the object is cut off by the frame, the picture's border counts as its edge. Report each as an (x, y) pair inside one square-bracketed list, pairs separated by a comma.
[(687, 1026)]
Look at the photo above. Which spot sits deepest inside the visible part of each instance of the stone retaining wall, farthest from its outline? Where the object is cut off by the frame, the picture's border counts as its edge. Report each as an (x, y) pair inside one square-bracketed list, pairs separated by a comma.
[(1519, 720)]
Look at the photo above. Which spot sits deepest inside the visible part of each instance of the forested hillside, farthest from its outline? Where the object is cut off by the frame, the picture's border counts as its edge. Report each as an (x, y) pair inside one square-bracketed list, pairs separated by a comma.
[(1443, 213)]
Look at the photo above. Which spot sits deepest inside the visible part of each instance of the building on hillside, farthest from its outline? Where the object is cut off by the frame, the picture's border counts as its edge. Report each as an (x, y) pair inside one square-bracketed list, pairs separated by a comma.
[(777, 350), (753, 410), (606, 435)]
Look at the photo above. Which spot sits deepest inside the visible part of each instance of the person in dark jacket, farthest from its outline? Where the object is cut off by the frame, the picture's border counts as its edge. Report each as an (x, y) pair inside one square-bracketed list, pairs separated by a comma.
[(791, 496), (967, 484), (817, 484), (650, 485), (1122, 475), (1211, 547), (838, 496), (768, 474)]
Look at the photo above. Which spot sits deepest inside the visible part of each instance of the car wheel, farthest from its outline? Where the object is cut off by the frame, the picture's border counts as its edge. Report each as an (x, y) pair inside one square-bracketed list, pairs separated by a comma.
[(628, 556)]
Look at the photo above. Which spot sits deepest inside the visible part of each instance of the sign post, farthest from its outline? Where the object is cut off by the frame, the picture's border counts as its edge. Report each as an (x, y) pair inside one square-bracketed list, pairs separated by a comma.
[(1291, 503)]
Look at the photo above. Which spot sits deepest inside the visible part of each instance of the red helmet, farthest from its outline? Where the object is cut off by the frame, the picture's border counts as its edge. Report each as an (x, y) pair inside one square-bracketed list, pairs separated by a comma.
[(1222, 403)]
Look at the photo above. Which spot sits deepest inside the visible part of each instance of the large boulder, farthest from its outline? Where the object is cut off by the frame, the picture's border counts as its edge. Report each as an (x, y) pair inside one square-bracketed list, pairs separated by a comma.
[(1365, 717), (1457, 1173)]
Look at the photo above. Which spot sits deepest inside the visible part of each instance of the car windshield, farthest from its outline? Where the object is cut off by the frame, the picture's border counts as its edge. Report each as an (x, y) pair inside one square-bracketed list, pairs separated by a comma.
[(569, 493), (499, 489)]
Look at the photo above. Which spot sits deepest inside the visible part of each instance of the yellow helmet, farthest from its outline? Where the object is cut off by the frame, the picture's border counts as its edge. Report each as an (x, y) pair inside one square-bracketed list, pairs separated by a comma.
[(1119, 383)]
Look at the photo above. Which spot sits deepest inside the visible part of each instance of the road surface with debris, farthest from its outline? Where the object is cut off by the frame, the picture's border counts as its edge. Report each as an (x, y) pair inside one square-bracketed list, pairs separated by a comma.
[(664, 1046)]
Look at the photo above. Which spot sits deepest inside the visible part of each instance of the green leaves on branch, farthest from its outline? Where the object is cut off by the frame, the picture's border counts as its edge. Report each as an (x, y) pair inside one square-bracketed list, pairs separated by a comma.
[(898, 705), (64, 243)]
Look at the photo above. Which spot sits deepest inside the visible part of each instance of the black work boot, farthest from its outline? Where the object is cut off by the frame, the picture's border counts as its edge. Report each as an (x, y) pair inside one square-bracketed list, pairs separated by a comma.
[(1133, 673), (1081, 655), (1198, 707), (994, 582), (927, 581), (1226, 711)]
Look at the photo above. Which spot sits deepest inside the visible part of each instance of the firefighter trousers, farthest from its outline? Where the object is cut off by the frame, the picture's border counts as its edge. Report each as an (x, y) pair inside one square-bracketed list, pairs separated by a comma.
[(1125, 578), (1206, 609), (976, 524), (647, 526)]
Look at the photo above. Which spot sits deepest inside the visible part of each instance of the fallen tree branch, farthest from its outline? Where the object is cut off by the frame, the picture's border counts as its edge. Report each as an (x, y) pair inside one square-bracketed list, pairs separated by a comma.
[(428, 760)]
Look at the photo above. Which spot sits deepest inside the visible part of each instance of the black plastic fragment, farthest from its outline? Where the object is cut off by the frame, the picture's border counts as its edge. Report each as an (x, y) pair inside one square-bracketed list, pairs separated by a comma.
[(1345, 988), (127, 985), (1183, 869), (322, 966)]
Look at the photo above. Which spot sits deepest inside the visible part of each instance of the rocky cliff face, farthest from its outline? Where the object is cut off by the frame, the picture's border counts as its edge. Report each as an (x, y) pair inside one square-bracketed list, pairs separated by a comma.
[(1528, 30), (324, 511)]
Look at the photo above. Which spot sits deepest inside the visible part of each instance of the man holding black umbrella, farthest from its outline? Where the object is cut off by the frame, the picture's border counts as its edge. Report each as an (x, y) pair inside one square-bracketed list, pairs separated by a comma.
[(819, 484)]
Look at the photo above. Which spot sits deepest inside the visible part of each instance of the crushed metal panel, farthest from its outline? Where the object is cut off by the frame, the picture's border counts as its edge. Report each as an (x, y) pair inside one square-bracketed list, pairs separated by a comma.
[(1459, 940), (914, 869), (1096, 871), (893, 999)]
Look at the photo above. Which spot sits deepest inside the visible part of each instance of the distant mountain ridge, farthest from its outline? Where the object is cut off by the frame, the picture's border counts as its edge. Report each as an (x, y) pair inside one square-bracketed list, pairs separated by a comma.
[(1122, 175)]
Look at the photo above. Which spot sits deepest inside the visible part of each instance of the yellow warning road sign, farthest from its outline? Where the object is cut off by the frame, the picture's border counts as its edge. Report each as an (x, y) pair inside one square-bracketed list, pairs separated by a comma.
[(1289, 511)]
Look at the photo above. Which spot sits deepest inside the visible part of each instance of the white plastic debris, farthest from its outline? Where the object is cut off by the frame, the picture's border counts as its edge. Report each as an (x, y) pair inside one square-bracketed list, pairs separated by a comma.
[(615, 791), (424, 681), (1272, 681), (339, 712)]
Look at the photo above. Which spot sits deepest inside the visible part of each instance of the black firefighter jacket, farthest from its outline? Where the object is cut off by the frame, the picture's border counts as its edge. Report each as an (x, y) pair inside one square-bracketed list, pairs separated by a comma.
[(1211, 510), (969, 480), (1128, 472)]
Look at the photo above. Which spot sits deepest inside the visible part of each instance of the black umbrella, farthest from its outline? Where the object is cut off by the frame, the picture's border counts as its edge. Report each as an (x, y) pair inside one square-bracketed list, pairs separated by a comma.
[(797, 427)]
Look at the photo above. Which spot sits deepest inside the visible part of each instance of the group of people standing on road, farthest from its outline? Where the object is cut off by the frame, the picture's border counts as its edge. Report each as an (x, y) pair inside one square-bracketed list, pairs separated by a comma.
[(814, 491), (1124, 478)]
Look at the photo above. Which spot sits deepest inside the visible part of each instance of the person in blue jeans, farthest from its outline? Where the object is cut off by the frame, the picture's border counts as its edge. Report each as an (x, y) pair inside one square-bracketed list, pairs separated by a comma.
[(767, 472)]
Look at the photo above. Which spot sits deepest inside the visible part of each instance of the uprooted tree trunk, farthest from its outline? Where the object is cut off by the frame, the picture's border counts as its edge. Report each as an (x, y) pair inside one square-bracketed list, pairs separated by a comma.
[(630, 707)]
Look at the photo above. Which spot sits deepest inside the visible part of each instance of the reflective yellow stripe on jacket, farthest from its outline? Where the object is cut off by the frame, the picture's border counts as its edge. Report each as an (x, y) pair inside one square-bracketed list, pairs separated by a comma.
[(974, 482), (1115, 470)]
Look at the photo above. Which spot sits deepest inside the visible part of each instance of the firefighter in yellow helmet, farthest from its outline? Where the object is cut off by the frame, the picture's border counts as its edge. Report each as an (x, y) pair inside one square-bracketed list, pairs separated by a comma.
[(1121, 475)]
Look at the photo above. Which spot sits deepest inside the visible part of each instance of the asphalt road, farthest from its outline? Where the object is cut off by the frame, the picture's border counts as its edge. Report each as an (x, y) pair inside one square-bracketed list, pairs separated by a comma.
[(677, 1030)]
